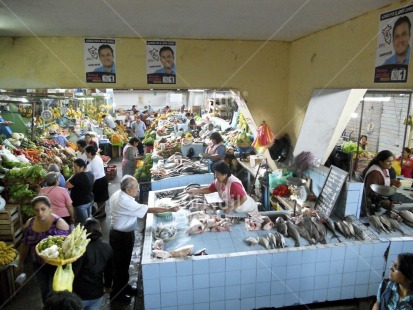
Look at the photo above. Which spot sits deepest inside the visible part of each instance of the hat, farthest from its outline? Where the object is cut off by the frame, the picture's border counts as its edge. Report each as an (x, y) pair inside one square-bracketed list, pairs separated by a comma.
[(52, 131), (51, 178)]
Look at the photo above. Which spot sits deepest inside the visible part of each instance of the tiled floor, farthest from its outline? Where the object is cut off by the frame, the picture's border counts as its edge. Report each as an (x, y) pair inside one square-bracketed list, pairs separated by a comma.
[(28, 296)]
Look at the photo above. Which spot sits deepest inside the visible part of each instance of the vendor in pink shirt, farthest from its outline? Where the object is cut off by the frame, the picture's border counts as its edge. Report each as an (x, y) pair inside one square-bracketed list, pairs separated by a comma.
[(60, 200), (407, 163), (230, 190)]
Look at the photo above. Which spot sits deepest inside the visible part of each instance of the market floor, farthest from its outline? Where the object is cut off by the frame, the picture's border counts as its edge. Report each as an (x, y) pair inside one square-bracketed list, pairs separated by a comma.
[(28, 296)]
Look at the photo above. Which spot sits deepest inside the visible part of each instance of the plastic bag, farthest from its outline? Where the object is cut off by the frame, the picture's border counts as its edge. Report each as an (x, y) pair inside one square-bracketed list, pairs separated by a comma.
[(397, 167), (263, 139)]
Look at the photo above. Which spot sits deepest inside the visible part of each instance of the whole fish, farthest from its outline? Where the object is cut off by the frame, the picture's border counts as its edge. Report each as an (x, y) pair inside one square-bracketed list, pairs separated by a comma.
[(272, 240), (329, 223), (340, 227), (293, 233), (304, 233), (350, 229), (309, 225), (386, 224), (360, 234), (407, 217), (280, 241), (281, 226), (251, 241), (375, 222), (395, 224), (264, 242)]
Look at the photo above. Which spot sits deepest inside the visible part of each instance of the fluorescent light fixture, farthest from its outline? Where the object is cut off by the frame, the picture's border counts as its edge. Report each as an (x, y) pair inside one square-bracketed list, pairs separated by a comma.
[(196, 90), (377, 99), (354, 115)]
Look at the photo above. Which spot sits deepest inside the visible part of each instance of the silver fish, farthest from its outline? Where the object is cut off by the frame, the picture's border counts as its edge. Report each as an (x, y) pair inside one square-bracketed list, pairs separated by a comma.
[(322, 230), (264, 242), (407, 217), (293, 233), (360, 234), (375, 222), (395, 224), (386, 224), (304, 233), (251, 241), (267, 224), (281, 226), (329, 223), (350, 228), (272, 240), (309, 225), (340, 227)]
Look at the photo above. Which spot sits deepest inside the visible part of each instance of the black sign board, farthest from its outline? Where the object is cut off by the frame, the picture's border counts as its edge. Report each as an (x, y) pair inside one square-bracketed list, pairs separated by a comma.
[(331, 190)]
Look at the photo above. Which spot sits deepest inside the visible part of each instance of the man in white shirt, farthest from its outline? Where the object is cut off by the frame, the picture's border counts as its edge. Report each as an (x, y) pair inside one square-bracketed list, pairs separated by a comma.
[(109, 121), (124, 213), (139, 128)]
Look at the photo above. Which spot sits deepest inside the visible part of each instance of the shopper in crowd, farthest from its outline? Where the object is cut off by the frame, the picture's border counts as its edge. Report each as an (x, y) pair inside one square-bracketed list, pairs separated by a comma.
[(406, 163), (363, 142), (106, 58), (59, 138), (55, 168), (59, 197), (81, 146), (81, 191), (138, 128), (130, 153), (63, 300), (396, 292), (230, 190), (44, 223), (93, 271), (101, 185), (167, 58), (215, 151), (401, 42), (150, 109), (207, 131), (89, 141), (124, 213), (109, 121), (377, 172), (192, 122)]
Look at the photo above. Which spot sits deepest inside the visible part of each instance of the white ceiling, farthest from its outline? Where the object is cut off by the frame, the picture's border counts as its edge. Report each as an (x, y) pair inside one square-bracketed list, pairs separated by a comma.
[(281, 20)]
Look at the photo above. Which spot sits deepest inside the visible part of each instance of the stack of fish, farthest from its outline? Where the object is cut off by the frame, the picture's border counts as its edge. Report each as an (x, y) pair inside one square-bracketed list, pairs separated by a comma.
[(200, 222)]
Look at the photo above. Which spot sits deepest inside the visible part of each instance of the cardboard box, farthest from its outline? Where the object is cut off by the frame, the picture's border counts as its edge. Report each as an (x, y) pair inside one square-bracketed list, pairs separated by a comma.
[(255, 160)]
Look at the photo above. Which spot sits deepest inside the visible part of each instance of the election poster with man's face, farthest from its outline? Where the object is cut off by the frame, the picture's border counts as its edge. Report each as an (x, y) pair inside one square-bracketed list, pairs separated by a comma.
[(100, 60), (394, 46), (161, 62)]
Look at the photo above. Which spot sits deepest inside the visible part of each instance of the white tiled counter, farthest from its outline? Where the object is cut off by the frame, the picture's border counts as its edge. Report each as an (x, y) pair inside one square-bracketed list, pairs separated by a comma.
[(236, 276), (182, 180)]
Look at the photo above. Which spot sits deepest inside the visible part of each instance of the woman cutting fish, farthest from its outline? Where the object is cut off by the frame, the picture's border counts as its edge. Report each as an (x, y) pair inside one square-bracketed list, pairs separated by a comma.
[(230, 190)]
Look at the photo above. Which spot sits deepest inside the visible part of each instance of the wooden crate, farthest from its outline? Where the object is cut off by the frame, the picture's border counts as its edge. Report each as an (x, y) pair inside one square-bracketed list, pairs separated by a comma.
[(7, 285), (11, 224)]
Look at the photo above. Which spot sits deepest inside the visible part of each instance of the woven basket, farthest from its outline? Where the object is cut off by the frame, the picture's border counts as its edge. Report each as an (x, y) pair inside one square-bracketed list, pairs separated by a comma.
[(57, 261)]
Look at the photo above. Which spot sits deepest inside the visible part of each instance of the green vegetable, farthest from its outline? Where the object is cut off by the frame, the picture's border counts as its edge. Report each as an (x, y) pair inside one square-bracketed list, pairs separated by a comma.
[(350, 147)]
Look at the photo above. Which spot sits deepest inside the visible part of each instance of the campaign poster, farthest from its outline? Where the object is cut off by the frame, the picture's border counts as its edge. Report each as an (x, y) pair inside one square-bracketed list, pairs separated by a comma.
[(161, 62), (100, 60), (394, 46)]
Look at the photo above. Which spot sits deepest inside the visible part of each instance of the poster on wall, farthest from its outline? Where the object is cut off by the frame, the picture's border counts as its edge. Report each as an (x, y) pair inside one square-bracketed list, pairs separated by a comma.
[(100, 55), (394, 46), (160, 62)]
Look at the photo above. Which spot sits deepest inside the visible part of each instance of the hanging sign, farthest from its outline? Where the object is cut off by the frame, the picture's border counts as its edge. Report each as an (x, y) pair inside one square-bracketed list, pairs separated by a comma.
[(100, 60), (160, 62), (394, 44)]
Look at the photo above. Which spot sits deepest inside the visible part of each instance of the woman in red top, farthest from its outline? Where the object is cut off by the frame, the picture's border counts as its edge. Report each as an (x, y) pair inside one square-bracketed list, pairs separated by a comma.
[(407, 163)]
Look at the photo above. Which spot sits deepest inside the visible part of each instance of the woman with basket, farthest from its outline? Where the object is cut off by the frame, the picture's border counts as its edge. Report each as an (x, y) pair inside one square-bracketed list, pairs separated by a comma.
[(43, 224)]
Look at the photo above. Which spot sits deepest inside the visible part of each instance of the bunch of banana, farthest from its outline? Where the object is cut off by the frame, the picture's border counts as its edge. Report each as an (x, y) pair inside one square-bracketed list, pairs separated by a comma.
[(71, 112), (56, 113), (7, 253)]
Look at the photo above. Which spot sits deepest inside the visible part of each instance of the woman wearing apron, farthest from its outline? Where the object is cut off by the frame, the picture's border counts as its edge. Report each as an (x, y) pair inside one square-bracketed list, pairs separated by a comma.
[(230, 190)]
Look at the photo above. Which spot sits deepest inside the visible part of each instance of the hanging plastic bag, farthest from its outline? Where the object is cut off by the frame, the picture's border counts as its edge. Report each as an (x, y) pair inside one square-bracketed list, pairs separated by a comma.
[(63, 279), (263, 139)]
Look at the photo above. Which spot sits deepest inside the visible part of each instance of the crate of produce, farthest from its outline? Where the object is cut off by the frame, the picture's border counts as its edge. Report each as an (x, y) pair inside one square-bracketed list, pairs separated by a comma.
[(11, 224), (111, 171)]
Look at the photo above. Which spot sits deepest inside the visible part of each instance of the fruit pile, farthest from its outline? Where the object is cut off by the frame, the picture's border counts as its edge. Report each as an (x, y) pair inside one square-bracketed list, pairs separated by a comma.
[(7, 253)]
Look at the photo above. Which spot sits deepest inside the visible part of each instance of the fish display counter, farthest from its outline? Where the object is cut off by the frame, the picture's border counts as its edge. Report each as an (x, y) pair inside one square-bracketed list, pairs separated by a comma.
[(179, 171), (199, 257)]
